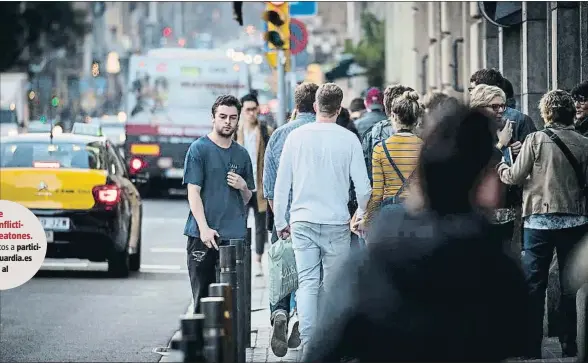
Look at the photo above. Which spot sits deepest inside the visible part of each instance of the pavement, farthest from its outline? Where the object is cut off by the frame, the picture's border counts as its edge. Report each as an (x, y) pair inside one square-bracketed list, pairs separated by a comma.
[(260, 351), (72, 311)]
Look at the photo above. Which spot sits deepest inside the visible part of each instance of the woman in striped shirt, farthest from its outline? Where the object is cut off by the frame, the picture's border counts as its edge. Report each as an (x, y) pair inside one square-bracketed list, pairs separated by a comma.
[(395, 159)]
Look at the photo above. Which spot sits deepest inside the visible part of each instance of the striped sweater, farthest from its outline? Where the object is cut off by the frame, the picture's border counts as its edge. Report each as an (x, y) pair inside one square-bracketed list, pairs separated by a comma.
[(404, 149)]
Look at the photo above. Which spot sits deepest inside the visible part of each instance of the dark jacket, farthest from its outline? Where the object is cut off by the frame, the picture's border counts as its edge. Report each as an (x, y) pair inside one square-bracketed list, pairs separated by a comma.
[(524, 124), (523, 127), (449, 293), (369, 119), (582, 126)]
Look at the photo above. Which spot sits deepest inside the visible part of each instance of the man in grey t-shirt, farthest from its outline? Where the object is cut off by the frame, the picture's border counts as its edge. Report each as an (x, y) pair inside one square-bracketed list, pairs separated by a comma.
[(219, 177)]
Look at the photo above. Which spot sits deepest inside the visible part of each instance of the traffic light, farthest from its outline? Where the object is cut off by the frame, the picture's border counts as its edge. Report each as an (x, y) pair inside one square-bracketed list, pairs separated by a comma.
[(238, 12), (55, 101), (277, 18), (167, 31)]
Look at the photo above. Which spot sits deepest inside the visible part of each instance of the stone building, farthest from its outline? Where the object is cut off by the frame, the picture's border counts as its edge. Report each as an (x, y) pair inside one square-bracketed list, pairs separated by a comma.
[(438, 45)]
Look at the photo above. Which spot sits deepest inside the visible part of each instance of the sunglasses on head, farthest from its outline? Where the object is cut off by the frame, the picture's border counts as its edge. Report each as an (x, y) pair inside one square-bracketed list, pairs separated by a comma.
[(580, 99)]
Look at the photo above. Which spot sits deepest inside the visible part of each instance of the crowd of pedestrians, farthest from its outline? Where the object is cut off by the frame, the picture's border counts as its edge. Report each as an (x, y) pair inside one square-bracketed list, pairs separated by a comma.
[(402, 213)]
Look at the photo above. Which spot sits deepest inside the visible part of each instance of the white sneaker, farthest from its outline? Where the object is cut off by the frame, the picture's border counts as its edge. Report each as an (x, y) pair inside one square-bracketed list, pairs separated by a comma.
[(258, 269)]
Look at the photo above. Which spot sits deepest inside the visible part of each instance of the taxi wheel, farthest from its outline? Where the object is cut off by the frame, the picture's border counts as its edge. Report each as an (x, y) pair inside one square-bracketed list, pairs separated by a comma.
[(118, 262), (135, 259)]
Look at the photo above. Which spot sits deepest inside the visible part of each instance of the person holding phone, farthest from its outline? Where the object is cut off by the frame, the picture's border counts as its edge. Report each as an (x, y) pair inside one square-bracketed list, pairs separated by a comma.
[(491, 101), (219, 176)]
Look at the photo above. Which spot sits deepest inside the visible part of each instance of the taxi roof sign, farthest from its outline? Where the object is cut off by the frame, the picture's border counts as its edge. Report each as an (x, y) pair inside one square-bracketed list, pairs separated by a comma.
[(86, 129)]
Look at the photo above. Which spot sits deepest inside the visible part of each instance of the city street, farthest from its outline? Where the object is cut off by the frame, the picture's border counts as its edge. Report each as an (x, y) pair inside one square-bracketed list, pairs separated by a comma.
[(72, 311)]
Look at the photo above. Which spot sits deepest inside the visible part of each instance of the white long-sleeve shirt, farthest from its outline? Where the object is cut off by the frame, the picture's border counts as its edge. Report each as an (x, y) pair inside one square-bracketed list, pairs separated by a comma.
[(317, 163)]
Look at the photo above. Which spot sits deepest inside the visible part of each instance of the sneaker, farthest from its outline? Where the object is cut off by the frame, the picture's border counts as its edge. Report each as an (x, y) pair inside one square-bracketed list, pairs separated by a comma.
[(280, 334), (294, 340), (258, 269)]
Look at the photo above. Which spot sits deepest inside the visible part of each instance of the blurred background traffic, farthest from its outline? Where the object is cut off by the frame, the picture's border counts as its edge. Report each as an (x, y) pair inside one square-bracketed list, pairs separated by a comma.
[(147, 72)]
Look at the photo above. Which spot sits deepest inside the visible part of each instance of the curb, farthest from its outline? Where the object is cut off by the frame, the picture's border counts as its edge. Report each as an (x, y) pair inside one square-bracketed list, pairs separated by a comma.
[(165, 358)]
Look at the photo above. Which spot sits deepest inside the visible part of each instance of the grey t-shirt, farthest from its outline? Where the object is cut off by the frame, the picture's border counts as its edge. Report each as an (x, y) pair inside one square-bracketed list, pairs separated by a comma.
[(207, 165)]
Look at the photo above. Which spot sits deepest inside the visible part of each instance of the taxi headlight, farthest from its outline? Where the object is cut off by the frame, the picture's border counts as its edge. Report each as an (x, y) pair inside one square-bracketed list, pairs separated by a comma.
[(12, 132), (57, 130)]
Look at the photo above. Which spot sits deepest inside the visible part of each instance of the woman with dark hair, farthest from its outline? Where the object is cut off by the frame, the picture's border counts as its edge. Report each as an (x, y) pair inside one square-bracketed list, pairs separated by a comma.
[(344, 119)]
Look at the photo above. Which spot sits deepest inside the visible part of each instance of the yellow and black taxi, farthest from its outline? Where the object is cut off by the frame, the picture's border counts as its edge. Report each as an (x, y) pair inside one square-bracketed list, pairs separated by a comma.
[(78, 186)]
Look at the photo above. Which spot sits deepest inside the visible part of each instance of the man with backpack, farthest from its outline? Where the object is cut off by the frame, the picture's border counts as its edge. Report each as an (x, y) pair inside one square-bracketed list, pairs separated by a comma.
[(374, 110), (381, 130), (253, 135)]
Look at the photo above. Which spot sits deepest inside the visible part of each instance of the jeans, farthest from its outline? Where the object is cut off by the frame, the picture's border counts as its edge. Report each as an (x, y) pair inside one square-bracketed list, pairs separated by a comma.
[(202, 268), (316, 246), (537, 254), (503, 233), (288, 303), (260, 228)]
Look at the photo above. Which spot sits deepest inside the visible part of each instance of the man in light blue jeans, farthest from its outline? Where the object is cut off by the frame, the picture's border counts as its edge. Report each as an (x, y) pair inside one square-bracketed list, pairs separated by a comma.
[(315, 246), (318, 162)]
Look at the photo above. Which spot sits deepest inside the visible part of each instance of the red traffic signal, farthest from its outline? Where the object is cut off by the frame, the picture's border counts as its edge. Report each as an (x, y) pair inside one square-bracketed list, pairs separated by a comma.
[(167, 31)]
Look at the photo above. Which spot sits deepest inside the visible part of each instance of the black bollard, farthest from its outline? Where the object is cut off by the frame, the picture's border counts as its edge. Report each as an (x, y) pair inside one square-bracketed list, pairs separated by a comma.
[(241, 316), (582, 323), (212, 308), (247, 263), (228, 274), (224, 290), (192, 341)]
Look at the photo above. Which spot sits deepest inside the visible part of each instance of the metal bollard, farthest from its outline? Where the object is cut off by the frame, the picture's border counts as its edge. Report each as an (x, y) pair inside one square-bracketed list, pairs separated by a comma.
[(228, 274), (192, 341), (582, 323), (212, 308), (225, 291), (241, 316), (247, 263)]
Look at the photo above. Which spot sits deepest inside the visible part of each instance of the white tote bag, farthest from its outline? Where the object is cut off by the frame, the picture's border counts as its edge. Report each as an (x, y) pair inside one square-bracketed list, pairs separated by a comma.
[(283, 276)]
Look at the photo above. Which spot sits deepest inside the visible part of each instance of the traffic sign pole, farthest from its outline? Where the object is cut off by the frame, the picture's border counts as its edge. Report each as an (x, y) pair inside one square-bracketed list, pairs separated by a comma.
[(281, 88)]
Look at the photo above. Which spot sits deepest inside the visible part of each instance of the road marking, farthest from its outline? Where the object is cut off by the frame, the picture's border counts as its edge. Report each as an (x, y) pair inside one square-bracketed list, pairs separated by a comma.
[(161, 267), (167, 250), (66, 264), (161, 220), (170, 269)]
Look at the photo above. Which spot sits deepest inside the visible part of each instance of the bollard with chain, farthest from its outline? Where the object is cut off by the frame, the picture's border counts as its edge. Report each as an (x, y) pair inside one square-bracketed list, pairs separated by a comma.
[(228, 274), (224, 290), (192, 340), (212, 308), (241, 316), (247, 263)]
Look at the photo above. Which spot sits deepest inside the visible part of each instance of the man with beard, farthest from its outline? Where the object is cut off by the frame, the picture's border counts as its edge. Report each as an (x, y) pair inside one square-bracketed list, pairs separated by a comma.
[(219, 177)]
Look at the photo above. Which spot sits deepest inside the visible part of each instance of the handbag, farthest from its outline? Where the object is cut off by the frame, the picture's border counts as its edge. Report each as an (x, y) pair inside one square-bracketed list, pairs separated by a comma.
[(572, 160), (283, 275)]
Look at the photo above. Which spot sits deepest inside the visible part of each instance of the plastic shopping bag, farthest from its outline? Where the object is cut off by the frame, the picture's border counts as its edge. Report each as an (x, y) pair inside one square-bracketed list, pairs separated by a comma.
[(283, 276)]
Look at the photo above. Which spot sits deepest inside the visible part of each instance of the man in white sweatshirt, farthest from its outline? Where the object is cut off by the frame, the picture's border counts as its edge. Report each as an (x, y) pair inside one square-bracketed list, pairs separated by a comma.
[(317, 163)]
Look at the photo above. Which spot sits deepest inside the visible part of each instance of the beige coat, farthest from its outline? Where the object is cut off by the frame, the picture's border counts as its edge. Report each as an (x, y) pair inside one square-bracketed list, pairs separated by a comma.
[(548, 180), (240, 137)]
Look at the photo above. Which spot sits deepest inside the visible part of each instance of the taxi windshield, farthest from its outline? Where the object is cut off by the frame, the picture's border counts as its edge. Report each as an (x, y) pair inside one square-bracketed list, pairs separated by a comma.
[(68, 155)]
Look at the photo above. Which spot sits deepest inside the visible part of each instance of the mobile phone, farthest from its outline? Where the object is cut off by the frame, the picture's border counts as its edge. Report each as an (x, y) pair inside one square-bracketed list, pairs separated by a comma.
[(507, 155)]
